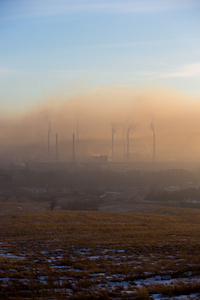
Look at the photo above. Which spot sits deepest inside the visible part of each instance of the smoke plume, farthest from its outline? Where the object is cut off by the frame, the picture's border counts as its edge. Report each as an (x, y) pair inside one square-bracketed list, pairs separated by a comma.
[(176, 116)]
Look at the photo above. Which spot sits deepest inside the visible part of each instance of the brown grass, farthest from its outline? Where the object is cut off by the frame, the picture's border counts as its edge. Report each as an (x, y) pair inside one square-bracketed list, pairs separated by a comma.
[(80, 255)]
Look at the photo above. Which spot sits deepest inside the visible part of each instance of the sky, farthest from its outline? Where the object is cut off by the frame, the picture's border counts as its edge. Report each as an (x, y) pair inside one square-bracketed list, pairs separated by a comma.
[(81, 45)]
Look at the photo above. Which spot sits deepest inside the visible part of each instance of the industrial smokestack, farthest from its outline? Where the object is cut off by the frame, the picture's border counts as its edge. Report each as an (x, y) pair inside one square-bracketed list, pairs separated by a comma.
[(112, 155), (56, 145), (127, 141), (73, 149), (124, 144), (127, 137), (48, 142), (77, 137), (114, 127), (154, 141), (154, 146)]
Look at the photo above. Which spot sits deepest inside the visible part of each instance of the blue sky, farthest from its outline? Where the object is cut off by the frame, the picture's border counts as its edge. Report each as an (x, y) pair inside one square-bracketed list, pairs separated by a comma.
[(51, 45)]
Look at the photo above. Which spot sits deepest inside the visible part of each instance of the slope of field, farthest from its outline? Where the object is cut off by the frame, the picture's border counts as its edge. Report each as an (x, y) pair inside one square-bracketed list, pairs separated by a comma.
[(100, 255)]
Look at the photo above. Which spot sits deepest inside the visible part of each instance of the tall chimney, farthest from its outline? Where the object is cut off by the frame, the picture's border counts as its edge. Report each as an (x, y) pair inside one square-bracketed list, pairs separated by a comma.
[(48, 142), (124, 145), (112, 144), (56, 145), (128, 144), (154, 146), (154, 141), (77, 137), (73, 150), (124, 149)]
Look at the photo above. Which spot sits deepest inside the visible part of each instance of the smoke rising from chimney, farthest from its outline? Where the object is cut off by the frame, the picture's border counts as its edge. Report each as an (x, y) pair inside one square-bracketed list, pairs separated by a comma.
[(177, 117)]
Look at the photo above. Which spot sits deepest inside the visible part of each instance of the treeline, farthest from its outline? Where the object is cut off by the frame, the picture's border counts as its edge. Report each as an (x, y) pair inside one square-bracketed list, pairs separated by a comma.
[(67, 178)]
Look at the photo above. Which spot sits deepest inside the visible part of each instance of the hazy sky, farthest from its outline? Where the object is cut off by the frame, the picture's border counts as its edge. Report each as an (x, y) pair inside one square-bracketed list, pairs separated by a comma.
[(47, 45)]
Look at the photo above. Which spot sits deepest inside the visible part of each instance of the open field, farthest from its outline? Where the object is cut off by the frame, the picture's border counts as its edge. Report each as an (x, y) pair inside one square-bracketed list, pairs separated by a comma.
[(99, 255)]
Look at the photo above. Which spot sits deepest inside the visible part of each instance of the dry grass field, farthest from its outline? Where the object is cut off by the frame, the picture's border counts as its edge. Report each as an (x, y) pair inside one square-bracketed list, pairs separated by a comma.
[(99, 255)]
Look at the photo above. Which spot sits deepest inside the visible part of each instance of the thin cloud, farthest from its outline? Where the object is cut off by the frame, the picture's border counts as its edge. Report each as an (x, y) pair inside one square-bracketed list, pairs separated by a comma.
[(7, 72), (69, 71), (139, 43), (124, 6), (136, 6), (186, 71), (37, 8), (145, 75), (190, 70)]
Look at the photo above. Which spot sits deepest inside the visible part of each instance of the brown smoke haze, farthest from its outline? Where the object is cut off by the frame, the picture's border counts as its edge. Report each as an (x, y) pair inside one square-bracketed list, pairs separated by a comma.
[(93, 116)]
